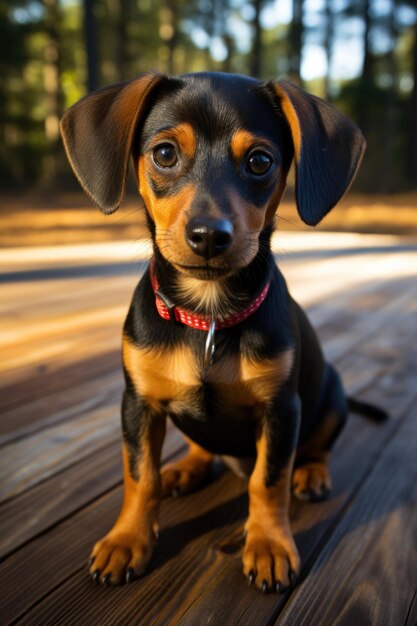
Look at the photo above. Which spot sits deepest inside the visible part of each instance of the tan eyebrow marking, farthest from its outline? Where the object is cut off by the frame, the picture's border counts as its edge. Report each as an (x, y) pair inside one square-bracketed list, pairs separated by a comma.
[(243, 140), (183, 135)]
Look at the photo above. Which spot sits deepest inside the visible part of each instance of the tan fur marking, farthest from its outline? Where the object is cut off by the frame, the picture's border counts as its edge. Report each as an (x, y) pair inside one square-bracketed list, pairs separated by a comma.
[(183, 135), (248, 382), (269, 550), (266, 377), (201, 293), (143, 494), (268, 500), (160, 375), (292, 119), (144, 189), (130, 542), (167, 211), (171, 210), (242, 141), (168, 375)]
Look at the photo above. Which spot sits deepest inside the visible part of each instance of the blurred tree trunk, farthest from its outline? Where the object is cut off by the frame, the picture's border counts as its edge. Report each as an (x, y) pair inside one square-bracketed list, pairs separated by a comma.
[(295, 40), (51, 82), (169, 31), (122, 41), (230, 45), (367, 76), (328, 45), (412, 135), (223, 9), (91, 48), (255, 63), (390, 130)]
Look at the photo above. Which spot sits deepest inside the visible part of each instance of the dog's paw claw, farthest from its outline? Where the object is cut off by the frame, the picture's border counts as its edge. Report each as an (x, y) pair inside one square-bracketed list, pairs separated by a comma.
[(279, 587), (96, 576), (130, 575)]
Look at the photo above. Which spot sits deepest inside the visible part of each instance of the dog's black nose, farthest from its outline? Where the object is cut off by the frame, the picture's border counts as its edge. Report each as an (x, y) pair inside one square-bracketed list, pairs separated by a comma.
[(208, 236)]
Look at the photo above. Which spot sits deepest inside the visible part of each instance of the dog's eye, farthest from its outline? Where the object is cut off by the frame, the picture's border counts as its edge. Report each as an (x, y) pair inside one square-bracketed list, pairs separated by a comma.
[(259, 163), (165, 155)]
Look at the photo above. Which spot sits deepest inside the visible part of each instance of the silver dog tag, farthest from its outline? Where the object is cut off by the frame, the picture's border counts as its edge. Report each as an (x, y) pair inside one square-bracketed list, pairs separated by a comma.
[(210, 345)]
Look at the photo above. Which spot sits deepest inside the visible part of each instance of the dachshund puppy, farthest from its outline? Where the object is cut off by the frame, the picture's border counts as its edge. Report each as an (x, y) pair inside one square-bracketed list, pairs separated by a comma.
[(212, 338)]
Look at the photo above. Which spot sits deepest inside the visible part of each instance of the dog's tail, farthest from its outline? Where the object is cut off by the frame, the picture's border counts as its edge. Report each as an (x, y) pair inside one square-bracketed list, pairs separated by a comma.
[(368, 410)]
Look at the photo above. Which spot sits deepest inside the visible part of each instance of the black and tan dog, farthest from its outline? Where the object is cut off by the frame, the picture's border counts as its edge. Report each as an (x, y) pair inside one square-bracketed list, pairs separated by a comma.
[(213, 338)]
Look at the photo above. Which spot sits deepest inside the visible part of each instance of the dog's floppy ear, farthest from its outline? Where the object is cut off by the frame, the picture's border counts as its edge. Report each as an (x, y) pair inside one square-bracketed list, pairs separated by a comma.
[(98, 132), (328, 149)]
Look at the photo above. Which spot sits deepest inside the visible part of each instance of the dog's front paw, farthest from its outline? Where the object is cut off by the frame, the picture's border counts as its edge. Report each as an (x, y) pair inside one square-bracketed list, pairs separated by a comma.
[(270, 558), (120, 557)]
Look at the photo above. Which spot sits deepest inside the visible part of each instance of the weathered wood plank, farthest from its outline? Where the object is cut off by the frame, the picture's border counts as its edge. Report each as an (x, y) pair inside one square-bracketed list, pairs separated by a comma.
[(26, 462), (62, 352), (49, 380), (314, 281), (54, 408), (54, 499), (367, 572), (62, 553), (28, 344), (69, 490)]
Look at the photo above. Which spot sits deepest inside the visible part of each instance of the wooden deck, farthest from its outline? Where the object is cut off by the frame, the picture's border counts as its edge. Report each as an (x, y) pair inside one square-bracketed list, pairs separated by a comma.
[(60, 462)]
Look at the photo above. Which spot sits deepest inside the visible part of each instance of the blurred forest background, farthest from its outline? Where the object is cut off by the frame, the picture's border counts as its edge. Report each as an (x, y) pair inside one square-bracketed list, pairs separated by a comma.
[(362, 55)]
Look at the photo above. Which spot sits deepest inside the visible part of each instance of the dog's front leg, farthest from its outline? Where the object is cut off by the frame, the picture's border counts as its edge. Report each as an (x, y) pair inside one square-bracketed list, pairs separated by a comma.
[(125, 551), (270, 557)]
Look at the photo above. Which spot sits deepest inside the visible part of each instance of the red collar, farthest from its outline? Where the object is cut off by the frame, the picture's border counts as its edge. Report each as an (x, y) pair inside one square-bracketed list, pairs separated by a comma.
[(175, 313)]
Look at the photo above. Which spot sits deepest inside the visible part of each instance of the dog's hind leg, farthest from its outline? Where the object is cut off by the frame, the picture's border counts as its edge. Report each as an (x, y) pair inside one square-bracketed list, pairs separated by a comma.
[(311, 479), (187, 473)]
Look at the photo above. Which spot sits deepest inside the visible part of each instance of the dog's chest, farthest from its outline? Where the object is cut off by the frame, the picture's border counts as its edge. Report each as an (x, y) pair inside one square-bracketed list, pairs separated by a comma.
[(174, 380)]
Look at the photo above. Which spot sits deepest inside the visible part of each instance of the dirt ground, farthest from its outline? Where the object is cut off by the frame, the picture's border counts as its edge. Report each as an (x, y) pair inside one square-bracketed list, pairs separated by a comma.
[(34, 220)]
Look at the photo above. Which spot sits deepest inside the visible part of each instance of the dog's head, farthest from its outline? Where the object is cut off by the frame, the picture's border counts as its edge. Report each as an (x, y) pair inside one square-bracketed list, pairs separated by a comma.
[(211, 153)]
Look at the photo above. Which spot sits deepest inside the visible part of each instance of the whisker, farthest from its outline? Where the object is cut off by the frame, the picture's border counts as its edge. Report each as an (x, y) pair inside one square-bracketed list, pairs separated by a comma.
[(123, 217)]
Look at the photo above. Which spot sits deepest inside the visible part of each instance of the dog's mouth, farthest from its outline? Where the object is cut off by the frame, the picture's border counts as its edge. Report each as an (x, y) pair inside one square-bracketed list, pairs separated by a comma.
[(204, 272)]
